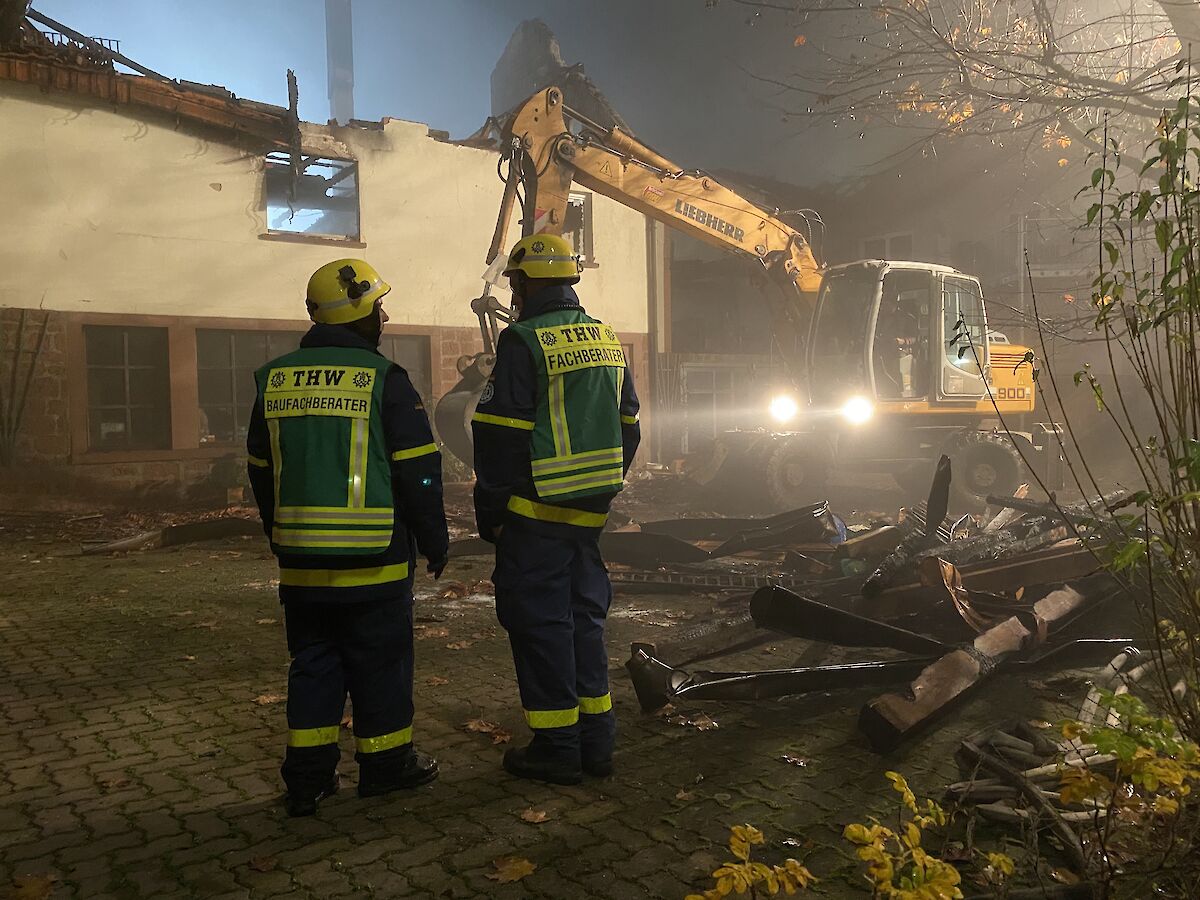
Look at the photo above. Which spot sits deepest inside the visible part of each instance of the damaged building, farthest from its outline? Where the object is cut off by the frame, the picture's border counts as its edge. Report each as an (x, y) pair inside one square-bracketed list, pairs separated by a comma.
[(169, 233)]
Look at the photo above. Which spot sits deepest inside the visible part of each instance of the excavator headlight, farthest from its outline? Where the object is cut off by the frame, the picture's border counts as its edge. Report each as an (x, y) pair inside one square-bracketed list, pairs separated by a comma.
[(858, 410), (783, 408)]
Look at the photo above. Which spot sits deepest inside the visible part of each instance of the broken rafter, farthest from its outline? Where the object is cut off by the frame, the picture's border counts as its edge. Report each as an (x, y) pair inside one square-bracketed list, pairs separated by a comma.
[(95, 47), (259, 120)]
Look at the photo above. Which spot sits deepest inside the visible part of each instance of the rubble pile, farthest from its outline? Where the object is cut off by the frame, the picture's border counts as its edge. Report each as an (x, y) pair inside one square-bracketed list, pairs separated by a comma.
[(944, 604)]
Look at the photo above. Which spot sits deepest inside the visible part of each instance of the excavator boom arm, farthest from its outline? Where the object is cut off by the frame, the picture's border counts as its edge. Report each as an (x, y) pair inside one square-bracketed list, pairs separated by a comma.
[(616, 165)]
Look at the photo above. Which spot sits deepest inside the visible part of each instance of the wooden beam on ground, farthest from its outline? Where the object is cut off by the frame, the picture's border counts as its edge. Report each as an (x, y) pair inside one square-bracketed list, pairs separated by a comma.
[(889, 720)]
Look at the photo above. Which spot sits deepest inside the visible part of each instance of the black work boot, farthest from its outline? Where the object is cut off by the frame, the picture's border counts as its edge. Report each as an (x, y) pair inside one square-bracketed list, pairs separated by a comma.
[(417, 769), (304, 802), (528, 762), (597, 766)]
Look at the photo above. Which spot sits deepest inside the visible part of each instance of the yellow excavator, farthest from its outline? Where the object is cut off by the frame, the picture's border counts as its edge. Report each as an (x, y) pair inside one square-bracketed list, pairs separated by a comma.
[(895, 364)]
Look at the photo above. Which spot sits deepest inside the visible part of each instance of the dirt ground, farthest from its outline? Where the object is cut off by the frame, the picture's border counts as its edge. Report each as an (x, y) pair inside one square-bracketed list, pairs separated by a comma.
[(142, 727)]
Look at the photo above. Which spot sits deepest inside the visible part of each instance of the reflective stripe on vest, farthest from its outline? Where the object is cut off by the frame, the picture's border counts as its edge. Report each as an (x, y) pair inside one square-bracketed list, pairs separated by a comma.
[(575, 450), (333, 489), (543, 512), (343, 578)]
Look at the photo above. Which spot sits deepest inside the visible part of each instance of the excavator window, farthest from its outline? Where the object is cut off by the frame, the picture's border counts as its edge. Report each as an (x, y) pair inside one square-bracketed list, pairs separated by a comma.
[(901, 348), (839, 341)]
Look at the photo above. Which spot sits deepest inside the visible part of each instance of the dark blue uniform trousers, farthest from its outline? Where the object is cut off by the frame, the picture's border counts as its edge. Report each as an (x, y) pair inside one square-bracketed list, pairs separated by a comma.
[(552, 597), (363, 648)]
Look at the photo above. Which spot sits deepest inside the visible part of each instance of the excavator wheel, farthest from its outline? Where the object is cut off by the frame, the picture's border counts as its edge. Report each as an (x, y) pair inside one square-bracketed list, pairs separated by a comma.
[(797, 473), (983, 463), (914, 480)]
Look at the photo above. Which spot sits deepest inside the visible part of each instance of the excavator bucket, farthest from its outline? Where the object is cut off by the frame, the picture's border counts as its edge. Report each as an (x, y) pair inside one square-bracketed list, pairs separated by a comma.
[(452, 415)]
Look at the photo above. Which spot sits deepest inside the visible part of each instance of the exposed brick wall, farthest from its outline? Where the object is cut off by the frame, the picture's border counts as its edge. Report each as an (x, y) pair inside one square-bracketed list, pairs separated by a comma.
[(44, 434), (46, 469), (448, 345)]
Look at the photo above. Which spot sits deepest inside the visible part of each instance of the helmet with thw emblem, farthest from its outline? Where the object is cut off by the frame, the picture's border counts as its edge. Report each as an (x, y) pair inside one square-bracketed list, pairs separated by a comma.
[(544, 256), (344, 290)]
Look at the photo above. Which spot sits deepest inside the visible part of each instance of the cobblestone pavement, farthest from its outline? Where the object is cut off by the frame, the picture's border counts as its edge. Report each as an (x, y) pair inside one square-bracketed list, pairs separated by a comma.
[(141, 729)]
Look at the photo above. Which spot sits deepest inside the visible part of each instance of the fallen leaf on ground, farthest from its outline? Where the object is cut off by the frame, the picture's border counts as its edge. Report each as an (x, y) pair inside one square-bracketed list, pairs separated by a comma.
[(455, 590), (683, 795), (421, 632), (534, 816), (459, 645), (511, 868), (664, 711), (436, 680), (188, 658), (1062, 876), (264, 863), (480, 726), (111, 784), (800, 761), (268, 699), (38, 887), (702, 722), (266, 622)]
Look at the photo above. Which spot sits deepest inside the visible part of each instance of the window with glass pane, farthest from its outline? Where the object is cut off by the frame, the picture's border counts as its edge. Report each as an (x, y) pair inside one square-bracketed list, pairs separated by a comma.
[(411, 352), (225, 365), (964, 324), (129, 388)]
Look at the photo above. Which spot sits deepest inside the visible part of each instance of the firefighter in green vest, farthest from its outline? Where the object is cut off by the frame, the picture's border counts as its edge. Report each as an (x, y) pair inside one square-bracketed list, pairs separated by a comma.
[(347, 478), (555, 431)]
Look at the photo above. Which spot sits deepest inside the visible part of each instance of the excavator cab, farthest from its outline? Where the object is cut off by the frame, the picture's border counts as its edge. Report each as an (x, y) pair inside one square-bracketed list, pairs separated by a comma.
[(908, 338)]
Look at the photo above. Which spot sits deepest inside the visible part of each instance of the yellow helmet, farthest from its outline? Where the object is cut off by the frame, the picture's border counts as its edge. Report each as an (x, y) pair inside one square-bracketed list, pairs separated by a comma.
[(544, 256), (344, 290)]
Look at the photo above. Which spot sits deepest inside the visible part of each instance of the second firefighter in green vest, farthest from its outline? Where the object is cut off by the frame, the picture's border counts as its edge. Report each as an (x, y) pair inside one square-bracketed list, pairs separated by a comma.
[(555, 431)]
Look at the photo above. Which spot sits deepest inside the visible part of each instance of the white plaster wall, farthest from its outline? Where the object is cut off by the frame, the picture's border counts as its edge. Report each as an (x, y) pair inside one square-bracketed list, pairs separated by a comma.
[(106, 212)]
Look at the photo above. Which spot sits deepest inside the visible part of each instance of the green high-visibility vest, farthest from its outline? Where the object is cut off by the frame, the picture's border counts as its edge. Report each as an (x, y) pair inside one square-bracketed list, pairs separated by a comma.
[(333, 482), (575, 446)]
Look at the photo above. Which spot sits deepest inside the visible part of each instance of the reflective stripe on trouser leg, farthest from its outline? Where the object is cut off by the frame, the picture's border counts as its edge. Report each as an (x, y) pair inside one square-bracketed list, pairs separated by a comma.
[(377, 650), (533, 604), (591, 596), (316, 697)]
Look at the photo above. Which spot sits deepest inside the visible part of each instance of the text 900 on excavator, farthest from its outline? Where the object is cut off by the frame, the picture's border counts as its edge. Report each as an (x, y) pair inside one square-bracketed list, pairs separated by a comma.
[(898, 364)]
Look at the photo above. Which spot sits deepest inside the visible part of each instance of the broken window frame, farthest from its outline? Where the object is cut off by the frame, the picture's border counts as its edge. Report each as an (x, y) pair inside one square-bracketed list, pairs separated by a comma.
[(153, 414), (278, 200)]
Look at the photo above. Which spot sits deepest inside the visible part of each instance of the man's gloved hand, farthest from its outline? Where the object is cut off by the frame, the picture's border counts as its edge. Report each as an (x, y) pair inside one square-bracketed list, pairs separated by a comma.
[(435, 567)]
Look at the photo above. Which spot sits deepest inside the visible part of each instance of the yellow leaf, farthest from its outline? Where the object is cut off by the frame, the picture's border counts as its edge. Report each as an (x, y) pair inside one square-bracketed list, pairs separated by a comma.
[(912, 835), (1064, 141), (1166, 806), (1002, 863), (739, 847), (1063, 163), (511, 868), (534, 816), (857, 834), (32, 887), (800, 41)]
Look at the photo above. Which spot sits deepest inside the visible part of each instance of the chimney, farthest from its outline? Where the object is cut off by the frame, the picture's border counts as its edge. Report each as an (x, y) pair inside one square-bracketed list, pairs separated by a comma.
[(339, 48)]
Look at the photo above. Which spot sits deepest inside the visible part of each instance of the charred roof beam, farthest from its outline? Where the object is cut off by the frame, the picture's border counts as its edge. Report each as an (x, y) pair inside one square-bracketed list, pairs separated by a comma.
[(96, 47)]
